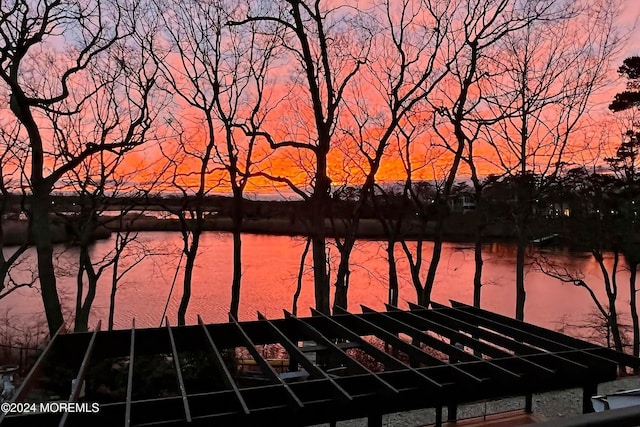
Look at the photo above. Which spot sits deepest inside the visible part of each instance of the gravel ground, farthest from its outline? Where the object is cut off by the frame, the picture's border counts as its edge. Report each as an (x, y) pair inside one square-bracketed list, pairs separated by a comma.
[(549, 405)]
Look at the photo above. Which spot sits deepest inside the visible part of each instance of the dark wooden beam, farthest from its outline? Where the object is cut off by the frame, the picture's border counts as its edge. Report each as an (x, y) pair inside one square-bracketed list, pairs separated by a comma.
[(518, 343), (77, 382), (383, 356), (267, 369), (350, 362), (389, 362), (218, 360), (450, 330), (132, 353), (510, 357), (313, 369), (438, 317), (601, 352), (176, 364), (450, 350), (519, 331)]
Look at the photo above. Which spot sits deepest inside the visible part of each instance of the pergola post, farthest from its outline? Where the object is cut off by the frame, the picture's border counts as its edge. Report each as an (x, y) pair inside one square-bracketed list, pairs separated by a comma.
[(452, 413), (588, 391), (374, 420), (528, 403)]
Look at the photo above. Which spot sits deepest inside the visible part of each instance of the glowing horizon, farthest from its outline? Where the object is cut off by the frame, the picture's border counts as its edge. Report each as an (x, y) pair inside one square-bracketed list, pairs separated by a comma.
[(286, 113)]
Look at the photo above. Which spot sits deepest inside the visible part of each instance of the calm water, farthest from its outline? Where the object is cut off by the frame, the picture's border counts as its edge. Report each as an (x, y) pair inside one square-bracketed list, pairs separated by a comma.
[(269, 280)]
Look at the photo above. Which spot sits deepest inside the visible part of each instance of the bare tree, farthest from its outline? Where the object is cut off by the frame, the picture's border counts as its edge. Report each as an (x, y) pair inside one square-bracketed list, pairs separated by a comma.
[(550, 69), (474, 31), (191, 212), (482, 218), (128, 253), (94, 218), (190, 162), (242, 106), (46, 51), (100, 181), (219, 72), (329, 47), (607, 310), (463, 114), (399, 78), (390, 209)]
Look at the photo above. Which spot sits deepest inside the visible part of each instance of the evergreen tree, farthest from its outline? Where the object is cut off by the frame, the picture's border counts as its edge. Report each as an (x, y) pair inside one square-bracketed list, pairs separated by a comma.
[(624, 165), (630, 98)]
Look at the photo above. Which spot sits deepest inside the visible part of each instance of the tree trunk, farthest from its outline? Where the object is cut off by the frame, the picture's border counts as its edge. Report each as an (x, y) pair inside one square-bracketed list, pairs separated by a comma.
[(342, 276), (237, 255), (522, 193), (522, 242), (114, 288), (83, 310), (479, 262), (41, 233), (40, 206), (296, 295), (414, 267), (79, 291), (481, 217), (611, 288), (443, 201), (342, 283), (393, 273), (443, 212), (82, 322), (520, 261), (633, 268), (237, 273), (420, 296), (188, 276), (433, 267), (320, 278), (318, 238), (614, 325)]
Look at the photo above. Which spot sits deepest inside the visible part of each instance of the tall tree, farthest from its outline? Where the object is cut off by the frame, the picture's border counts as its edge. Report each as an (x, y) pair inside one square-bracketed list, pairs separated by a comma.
[(102, 181), (624, 164), (475, 29), (399, 78), (329, 46), (421, 197), (624, 226), (390, 211), (218, 72), (544, 78), (46, 51), (242, 107)]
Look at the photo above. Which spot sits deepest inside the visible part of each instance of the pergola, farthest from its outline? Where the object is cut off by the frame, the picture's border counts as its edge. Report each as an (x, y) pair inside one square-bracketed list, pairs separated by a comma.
[(339, 367)]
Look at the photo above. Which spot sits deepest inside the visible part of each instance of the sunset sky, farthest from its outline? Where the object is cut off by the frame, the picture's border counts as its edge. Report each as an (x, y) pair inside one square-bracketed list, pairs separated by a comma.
[(289, 116)]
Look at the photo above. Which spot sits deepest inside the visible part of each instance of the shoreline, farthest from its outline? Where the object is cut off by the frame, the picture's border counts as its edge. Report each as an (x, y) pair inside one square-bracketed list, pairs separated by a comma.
[(457, 229), (368, 228)]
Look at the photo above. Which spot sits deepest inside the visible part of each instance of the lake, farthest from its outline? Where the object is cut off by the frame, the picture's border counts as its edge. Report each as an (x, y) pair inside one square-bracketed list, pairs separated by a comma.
[(269, 280)]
